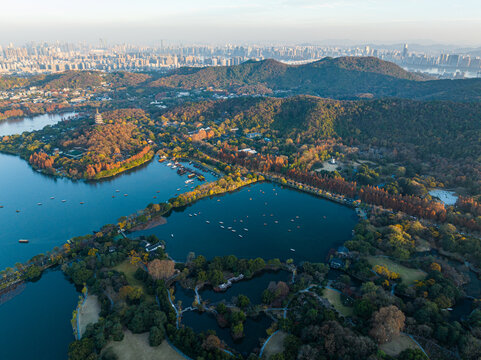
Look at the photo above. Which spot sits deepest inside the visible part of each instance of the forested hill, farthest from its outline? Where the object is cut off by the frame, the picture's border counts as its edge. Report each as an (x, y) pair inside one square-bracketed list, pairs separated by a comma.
[(439, 132), (76, 79), (339, 78)]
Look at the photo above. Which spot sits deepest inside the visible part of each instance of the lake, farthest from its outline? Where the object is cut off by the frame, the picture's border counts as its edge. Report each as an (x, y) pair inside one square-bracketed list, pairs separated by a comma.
[(266, 220), (252, 288), (262, 220), (253, 330), (54, 222), (19, 125), (36, 323)]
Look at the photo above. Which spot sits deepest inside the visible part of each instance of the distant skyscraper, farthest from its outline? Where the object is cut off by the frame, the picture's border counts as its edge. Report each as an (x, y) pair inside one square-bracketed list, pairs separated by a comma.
[(405, 50)]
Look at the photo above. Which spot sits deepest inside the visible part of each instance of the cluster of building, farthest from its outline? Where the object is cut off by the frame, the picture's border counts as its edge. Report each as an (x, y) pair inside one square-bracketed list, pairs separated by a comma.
[(50, 58)]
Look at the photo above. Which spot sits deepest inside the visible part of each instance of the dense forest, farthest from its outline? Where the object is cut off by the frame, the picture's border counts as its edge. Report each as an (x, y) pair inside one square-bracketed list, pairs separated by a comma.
[(80, 149), (433, 136), (75, 80), (339, 78)]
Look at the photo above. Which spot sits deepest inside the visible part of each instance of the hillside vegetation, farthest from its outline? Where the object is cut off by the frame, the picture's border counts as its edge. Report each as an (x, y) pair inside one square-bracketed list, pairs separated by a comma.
[(339, 78)]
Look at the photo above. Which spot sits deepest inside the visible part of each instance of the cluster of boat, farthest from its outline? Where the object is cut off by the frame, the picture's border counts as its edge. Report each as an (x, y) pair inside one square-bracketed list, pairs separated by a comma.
[(182, 170)]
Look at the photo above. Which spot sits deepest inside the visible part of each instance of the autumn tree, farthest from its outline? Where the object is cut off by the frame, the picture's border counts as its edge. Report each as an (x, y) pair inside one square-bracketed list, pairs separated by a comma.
[(161, 269), (387, 323)]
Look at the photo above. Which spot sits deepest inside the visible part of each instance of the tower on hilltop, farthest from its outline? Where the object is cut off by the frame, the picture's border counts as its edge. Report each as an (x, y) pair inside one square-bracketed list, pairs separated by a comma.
[(98, 118)]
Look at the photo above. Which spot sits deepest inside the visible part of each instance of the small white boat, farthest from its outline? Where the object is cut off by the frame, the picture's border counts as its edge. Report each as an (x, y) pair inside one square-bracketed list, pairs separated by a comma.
[(245, 229), (171, 235), (117, 190), (230, 228), (222, 227), (207, 221), (126, 194), (233, 230), (51, 198), (240, 236), (190, 215), (221, 222), (39, 204), (64, 200), (293, 250)]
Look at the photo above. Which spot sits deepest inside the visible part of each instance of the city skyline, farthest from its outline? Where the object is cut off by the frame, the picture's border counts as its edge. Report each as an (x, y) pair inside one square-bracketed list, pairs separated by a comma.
[(214, 21)]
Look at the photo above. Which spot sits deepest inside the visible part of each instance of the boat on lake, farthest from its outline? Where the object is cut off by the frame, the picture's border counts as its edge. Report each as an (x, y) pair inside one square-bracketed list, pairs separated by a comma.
[(293, 250), (64, 200), (23, 241), (39, 204)]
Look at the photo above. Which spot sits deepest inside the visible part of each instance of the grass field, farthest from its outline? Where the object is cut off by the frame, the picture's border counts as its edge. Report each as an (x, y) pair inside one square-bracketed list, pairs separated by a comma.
[(129, 270), (334, 297), (89, 312), (275, 344), (136, 346), (398, 344), (408, 275)]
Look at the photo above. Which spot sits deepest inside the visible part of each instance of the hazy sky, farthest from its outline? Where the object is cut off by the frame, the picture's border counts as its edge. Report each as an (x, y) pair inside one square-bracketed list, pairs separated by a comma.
[(292, 21)]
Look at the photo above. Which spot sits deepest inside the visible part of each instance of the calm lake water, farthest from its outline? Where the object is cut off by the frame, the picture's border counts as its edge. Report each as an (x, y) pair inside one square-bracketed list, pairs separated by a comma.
[(36, 323), (54, 222), (269, 221), (252, 288), (253, 329), (277, 220), (18, 126)]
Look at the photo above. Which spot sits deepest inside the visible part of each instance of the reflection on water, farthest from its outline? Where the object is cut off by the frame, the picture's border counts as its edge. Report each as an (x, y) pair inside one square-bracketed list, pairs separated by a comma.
[(263, 220), (20, 125), (36, 323), (54, 222), (254, 329)]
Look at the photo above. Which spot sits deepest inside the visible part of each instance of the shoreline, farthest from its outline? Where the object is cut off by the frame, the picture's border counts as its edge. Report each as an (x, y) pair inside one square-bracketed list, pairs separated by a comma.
[(152, 223)]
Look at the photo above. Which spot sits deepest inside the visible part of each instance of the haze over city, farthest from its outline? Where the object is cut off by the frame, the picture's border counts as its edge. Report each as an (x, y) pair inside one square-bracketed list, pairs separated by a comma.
[(240, 180), (216, 21)]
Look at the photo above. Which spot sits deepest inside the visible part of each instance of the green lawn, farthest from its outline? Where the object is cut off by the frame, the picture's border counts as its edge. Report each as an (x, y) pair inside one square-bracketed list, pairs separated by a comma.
[(334, 297), (398, 344), (408, 275), (129, 270), (136, 346), (275, 344)]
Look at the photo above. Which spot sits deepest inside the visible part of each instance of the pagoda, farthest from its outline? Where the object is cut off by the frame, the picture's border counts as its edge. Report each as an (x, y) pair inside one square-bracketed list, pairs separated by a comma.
[(98, 118)]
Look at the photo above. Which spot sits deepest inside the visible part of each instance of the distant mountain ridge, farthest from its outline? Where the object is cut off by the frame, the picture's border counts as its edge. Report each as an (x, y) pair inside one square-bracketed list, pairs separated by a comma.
[(338, 78), (356, 74)]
